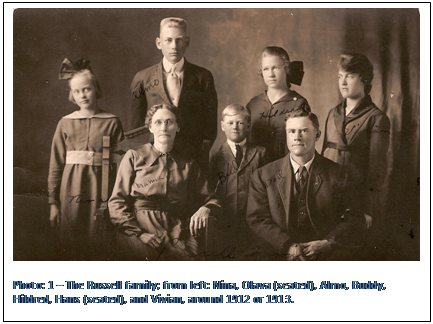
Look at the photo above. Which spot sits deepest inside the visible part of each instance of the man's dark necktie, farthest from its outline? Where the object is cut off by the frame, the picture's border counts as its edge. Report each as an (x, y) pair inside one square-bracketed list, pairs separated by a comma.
[(239, 155), (302, 179)]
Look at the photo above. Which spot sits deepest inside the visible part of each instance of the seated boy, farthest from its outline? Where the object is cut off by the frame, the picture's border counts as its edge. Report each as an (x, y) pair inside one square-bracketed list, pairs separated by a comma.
[(230, 170)]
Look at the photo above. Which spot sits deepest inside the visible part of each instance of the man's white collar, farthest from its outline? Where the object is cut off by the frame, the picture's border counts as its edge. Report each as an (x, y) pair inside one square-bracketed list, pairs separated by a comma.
[(167, 65)]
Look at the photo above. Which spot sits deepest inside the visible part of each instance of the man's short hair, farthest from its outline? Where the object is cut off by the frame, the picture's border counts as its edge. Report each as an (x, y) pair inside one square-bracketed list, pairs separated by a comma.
[(173, 22), (239, 109), (303, 113)]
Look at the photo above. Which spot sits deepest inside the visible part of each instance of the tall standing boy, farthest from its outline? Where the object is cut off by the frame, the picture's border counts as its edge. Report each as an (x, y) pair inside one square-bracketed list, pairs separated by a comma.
[(176, 81)]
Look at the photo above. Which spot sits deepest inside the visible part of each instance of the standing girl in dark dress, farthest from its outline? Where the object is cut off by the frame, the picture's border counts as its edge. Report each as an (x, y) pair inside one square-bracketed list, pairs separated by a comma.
[(357, 132), (74, 180), (268, 109)]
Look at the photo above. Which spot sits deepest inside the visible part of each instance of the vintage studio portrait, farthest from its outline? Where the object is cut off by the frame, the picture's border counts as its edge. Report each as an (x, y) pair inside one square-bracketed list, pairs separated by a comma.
[(216, 135)]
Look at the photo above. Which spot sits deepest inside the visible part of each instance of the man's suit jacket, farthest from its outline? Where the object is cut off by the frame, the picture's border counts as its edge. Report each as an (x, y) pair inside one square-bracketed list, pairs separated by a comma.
[(198, 101), (332, 213)]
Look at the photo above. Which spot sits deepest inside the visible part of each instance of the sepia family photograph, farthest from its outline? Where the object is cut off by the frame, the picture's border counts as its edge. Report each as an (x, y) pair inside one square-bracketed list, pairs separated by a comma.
[(230, 134)]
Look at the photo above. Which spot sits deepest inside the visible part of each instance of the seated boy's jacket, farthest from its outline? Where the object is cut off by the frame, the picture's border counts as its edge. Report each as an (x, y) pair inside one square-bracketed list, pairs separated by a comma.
[(230, 182)]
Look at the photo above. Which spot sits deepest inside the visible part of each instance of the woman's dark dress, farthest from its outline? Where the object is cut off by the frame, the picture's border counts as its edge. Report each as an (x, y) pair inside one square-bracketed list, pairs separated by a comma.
[(360, 141), (268, 128)]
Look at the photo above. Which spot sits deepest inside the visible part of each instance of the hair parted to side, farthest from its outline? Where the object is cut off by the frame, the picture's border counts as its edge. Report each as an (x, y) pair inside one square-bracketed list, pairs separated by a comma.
[(92, 78), (358, 63), (303, 113), (152, 111), (282, 54), (173, 22), (239, 109)]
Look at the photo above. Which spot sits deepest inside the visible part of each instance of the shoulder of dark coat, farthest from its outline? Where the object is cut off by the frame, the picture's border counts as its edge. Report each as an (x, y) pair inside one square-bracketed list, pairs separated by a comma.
[(197, 69), (217, 160), (217, 154), (143, 74), (219, 148), (327, 162), (331, 167), (260, 149), (272, 168)]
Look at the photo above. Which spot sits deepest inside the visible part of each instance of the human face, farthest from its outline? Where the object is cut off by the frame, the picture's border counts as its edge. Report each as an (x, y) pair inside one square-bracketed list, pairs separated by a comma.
[(235, 126), (274, 73), (350, 85), (83, 92), (164, 126), (301, 138), (173, 42)]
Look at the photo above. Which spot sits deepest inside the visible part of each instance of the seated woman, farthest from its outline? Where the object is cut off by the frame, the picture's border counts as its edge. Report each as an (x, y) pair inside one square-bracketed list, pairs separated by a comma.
[(156, 191)]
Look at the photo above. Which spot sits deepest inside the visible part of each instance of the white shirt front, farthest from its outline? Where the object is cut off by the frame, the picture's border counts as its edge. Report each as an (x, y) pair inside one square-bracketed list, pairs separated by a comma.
[(296, 166), (232, 146), (179, 68), (173, 95)]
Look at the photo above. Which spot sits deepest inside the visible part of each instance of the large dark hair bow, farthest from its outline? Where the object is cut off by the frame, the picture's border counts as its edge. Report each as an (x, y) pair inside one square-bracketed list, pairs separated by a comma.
[(68, 69), (296, 72)]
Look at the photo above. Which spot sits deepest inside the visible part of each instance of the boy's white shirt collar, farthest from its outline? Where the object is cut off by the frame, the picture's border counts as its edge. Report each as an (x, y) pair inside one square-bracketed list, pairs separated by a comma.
[(232, 145), (167, 65)]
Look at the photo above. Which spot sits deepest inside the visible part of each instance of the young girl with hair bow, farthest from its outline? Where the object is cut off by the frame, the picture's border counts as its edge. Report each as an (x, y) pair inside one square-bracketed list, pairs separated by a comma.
[(268, 109), (74, 180)]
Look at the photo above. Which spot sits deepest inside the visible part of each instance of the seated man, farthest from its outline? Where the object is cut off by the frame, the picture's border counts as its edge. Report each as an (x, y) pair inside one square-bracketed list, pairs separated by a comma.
[(299, 206)]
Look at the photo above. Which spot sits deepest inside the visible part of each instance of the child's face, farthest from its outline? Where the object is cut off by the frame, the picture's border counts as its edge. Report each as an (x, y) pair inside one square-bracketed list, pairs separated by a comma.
[(350, 85), (173, 43), (274, 73), (235, 126), (83, 92)]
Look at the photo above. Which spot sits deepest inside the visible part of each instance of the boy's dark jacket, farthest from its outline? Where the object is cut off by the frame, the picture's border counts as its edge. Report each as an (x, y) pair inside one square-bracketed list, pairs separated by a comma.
[(230, 182)]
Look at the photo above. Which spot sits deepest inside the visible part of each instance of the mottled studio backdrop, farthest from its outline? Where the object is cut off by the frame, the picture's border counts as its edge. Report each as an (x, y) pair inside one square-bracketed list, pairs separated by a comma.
[(120, 42)]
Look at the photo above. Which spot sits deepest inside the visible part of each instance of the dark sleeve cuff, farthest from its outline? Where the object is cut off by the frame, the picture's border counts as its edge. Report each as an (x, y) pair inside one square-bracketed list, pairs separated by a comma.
[(286, 246), (214, 209)]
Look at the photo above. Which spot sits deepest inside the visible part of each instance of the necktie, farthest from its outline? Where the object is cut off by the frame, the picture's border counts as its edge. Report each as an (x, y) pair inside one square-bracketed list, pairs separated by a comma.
[(303, 175), (173, 86), (239, 155)]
